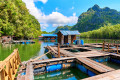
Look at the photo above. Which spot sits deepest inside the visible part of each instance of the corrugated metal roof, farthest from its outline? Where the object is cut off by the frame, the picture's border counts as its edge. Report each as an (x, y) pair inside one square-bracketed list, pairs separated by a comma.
[(49, 35), (69, 32)]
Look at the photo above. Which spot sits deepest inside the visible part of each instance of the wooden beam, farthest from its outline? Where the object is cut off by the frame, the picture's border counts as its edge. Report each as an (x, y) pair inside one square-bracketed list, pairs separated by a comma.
[(103, 45), (95, 65), (58, 50), (29, 72)]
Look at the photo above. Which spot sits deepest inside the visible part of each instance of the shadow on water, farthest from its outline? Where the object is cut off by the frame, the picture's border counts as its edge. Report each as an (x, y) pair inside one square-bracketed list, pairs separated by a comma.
[(66, 74)]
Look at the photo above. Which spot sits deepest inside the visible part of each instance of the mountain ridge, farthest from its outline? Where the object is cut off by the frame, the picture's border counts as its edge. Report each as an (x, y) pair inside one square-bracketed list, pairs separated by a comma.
[(94, 18)]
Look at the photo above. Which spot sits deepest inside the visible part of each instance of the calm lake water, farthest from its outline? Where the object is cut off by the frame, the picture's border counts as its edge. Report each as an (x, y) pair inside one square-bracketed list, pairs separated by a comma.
[(28, 51), (66, 74)]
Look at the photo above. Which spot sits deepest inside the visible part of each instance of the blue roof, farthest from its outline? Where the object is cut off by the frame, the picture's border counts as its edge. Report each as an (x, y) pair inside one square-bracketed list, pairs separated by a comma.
[(69, 32), (50, 35)]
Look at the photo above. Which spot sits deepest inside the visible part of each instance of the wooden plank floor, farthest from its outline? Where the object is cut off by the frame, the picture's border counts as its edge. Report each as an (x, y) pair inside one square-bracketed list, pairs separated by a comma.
[(95, 65), (91, 53), (29, 72), (54, 59), (113, 75)]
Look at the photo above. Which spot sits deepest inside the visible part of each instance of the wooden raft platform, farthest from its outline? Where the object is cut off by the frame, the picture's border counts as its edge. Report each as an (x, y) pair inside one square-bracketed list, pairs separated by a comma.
[(29, 72), (113, 75), (95, 66), (91, 53)]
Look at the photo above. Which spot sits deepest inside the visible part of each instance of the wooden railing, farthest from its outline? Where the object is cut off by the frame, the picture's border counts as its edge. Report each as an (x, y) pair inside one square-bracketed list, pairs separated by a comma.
[(9, 67), (109, 45)]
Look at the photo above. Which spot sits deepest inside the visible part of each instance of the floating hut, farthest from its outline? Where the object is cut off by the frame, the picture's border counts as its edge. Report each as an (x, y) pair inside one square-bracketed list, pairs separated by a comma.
[(67, 36), (49, 36), (6, 39)]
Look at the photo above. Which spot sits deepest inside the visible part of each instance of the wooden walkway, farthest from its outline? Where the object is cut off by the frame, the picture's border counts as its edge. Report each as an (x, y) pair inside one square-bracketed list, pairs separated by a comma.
[(81, 57), (29, 72), (113, 75), (95, 66), (91, 53)]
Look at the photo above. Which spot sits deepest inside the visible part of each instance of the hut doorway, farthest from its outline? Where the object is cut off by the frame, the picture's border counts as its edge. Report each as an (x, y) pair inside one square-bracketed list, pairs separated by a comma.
[(65, 39)]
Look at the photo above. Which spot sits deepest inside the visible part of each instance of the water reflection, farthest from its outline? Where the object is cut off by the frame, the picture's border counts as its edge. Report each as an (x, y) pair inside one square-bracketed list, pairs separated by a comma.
[(67, 74), (28, 51), (42, 49)]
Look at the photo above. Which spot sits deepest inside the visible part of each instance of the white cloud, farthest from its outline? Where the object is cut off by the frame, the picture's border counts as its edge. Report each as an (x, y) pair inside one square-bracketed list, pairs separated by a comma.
[(55, 18), (44, 26), (72, 7)]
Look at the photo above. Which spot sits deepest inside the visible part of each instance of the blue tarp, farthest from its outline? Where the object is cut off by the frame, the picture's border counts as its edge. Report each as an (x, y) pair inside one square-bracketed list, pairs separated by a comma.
[(69, 32), (49, 35)]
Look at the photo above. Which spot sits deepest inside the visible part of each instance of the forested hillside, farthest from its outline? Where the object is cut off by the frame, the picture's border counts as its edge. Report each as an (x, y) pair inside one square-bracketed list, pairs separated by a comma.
[(95, 18), (15, 20), (106, 32)]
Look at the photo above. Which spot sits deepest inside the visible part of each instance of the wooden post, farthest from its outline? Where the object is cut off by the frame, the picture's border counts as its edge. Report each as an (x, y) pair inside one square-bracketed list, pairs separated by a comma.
[(114, 43), (58, 50), (117, 50), (108, 47), (103, 45)]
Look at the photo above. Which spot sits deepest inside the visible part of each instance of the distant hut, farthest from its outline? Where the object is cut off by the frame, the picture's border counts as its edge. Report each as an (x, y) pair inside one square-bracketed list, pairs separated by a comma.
[(67, 36), (49, 36), (6, 39)]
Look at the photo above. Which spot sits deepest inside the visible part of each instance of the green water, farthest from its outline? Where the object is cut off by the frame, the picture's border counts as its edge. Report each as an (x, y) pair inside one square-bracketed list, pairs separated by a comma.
[(26, 51), (112, 64), (67, 74), (108, 63)]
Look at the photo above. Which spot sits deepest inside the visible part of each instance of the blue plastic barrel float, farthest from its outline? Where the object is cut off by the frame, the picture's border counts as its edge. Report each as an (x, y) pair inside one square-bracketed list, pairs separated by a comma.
[(53, 56), (115, 60), (82, 42), (54, 67), (27, 42), (90, 73), (23, 42), (82, 68)]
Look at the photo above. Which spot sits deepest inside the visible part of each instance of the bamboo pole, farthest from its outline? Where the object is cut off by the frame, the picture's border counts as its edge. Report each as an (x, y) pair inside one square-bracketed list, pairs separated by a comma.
[(58, 50), (103, 46), (40, 56)]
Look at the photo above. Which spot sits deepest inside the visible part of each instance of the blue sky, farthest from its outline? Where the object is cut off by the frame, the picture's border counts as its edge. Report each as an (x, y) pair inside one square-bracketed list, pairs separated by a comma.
[(54, 13)]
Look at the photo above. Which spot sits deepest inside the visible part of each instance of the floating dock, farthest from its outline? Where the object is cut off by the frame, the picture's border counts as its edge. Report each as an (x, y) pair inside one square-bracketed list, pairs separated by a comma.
[(73, 56)]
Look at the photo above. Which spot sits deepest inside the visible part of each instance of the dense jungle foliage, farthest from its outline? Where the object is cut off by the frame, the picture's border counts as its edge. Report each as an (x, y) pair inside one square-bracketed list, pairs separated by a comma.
[(15, 20), (106, 32)]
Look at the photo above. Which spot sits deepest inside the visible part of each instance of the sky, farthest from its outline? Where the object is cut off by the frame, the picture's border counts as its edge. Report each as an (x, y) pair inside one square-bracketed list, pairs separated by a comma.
[(54, 13)]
